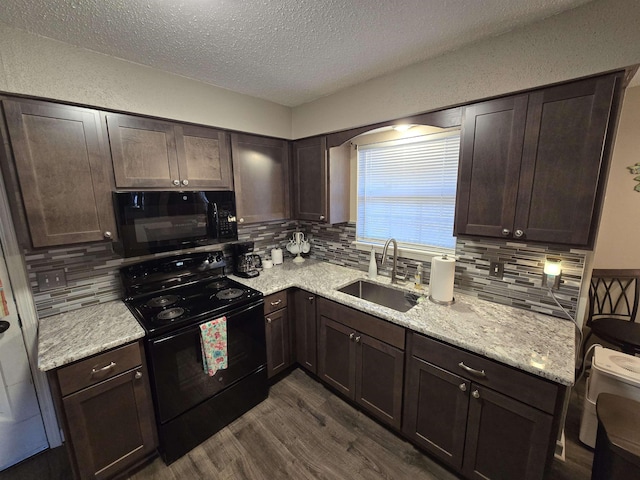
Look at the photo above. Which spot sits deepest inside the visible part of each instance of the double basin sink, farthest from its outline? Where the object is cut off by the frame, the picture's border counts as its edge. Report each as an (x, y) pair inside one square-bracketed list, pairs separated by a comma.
[(389, 297)]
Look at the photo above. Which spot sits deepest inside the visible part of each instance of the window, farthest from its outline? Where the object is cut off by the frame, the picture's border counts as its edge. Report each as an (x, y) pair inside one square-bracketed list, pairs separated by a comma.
[(407, 190)]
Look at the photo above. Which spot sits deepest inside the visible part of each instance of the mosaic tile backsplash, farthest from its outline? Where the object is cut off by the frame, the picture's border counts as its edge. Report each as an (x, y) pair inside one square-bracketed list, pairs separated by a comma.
[(92, 270)]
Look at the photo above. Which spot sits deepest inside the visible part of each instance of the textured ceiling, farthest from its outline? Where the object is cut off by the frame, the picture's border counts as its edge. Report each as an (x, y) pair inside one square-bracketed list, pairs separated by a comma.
[(287, 51)]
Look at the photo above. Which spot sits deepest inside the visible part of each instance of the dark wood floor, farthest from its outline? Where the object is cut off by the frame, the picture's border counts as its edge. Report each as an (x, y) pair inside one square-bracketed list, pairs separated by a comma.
[(302, 431)]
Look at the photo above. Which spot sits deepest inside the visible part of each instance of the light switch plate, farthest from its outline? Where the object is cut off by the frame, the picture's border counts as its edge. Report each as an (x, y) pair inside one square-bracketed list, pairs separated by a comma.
[(51, 279), (496, 269)]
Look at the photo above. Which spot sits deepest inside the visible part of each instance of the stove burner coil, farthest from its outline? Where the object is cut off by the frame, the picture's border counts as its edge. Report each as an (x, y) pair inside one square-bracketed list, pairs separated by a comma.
[(162, 301), (217, 284), (229, 294), (170, 313)]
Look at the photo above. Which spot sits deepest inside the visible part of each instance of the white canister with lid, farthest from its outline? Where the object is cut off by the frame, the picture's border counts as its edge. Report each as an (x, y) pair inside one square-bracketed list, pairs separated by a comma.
[(276, 256)]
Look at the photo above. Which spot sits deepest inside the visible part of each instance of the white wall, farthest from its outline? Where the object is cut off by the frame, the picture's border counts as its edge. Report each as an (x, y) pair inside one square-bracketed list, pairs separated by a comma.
[(619, 232), (38, 66), (599, 36)]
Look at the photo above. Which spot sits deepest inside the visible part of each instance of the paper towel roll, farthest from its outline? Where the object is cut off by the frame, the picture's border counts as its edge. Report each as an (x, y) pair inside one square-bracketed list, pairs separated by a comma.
[(441, 281)]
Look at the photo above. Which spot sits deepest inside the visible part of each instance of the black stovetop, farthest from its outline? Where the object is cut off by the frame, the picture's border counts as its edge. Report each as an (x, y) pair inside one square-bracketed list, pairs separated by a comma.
[(171, 293)]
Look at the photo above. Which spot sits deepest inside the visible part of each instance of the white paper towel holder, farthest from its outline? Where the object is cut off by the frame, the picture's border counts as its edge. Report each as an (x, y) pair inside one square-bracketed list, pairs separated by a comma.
[(444, 302)]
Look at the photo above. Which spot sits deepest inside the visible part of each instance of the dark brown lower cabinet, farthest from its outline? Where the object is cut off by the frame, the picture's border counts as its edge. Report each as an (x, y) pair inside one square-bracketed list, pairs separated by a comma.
[(106, 412), (481, 432), (506, 439), (362, 357), (278, 335), (306, 329)]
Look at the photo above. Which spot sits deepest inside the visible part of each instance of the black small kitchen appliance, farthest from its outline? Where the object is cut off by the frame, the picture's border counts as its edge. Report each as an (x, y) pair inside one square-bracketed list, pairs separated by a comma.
[(246, 264)]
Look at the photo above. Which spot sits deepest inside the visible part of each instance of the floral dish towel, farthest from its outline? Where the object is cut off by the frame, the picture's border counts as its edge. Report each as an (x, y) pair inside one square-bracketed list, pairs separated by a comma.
[(213, 342)]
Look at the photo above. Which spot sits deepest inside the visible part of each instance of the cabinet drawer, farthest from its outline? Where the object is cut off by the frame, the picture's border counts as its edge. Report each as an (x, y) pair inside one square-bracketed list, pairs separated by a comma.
[(522, 386), (374, 327), (275, 302), (95, 369)]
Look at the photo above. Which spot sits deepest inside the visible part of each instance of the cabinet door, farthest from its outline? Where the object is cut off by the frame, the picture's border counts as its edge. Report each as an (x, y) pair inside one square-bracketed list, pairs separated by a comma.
[(337, 355), (143, 152), (110, 425), (506, 439), (491, 151), (63, 168), (278, 341), (379, 376), (435, 412), (562, 160), (204, 158), (310, 176), (260, 177), (306, 328)]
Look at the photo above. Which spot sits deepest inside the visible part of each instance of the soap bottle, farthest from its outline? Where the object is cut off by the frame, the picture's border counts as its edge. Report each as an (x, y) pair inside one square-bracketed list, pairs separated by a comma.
[(373, 267), (418, 277)]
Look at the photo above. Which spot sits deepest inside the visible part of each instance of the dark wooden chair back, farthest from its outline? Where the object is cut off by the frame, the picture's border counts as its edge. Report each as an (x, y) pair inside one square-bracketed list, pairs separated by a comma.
[(613, 293)]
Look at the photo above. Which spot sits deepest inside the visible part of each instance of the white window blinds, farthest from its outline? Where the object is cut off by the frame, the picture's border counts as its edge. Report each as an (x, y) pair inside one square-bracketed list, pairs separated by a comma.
[(407, 190)]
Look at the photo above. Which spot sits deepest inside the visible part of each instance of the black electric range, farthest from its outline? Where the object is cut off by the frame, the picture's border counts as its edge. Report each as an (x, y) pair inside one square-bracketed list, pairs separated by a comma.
[(171, 298), (170, 293)]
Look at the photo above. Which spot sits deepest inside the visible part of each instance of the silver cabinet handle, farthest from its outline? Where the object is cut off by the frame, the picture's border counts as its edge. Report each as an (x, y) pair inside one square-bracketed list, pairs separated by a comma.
[(358, 339), (475, 394), (506, 232), (241, 220), (138, 375), (185, 182), (277, 302), (351, 335), (176, 182), (269, 320), (472, 371), (463, 387), (104, 369), (220, 379), (518, 233), (321, 217), (311, 298), (107, 234)]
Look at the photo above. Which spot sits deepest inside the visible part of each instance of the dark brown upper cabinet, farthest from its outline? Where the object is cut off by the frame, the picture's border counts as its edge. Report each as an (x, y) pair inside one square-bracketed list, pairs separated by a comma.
[(320, 181), (155, 154), (532, 166), (261, 178), (63, 168)]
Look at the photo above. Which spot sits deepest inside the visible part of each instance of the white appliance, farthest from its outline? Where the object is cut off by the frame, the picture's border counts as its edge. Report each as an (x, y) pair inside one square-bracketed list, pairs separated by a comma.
[(611, 372)]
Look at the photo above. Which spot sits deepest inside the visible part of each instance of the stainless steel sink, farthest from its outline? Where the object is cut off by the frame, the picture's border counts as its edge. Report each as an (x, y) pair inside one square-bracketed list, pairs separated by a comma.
[(381, 294)]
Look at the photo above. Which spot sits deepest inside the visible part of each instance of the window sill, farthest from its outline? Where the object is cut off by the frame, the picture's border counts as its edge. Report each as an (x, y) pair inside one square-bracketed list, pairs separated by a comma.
[(405, 252)]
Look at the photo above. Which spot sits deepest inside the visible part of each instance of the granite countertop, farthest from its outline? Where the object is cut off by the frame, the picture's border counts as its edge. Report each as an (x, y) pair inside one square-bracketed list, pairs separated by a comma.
[(536, 343), (81, 333), (533, 342)]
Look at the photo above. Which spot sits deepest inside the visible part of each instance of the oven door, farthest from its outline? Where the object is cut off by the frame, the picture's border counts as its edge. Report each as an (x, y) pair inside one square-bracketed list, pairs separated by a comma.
[(178, 377)]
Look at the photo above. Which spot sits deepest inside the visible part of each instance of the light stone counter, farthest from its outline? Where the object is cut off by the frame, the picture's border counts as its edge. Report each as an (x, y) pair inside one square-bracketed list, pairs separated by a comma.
[(81, 333), (536, 343)]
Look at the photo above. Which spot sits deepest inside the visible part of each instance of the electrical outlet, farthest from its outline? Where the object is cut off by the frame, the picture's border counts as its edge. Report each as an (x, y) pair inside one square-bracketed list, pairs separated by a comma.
[(496, 269), (52, 279)]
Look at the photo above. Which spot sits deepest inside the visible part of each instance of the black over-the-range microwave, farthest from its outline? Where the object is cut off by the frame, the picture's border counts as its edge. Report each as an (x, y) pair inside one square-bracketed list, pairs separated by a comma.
[(160, 221)]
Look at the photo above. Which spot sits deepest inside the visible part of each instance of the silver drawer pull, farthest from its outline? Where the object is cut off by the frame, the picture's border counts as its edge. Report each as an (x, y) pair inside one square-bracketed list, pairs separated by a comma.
[(138, 375), (475, 394), (104, 369), (463, 387), (472, 371), (277, 302)]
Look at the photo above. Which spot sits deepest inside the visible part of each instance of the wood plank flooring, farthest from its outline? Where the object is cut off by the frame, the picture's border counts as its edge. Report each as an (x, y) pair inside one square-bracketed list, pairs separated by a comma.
[(303, 431)]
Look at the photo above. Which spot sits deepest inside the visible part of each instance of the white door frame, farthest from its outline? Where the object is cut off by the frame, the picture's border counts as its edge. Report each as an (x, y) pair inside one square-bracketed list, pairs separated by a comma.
[(19, 279)]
